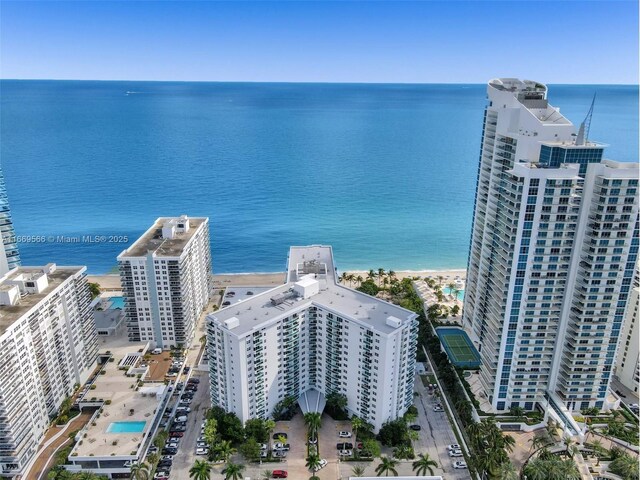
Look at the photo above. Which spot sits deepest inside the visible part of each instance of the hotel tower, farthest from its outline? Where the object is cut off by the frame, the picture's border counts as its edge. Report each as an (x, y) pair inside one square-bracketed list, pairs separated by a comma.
[(166, 280), (553, 248), (9, 255), (311, 337)]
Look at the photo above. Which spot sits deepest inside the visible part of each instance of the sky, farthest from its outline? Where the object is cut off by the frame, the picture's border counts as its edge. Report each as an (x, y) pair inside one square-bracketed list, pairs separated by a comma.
[(585, 42)]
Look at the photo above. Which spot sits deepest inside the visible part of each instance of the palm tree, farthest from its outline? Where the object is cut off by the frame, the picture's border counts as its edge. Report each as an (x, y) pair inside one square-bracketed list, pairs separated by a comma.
[(313, 421), (267, 474), (381, 273), (359, 279), (538, 441), (233, 471), (356, 424), (440, 279), (224, 450), (201, 470), (313, 462), (568, 442), (508, 472), (344, 277), (508, 442), (269, 425), (423, 465), (387, 465), (371, 275), (357, 471), (153, 459), (203, 339), (451, 286), (140, 471), (59, 473), (161, 438), (598, 449), (351, 277)]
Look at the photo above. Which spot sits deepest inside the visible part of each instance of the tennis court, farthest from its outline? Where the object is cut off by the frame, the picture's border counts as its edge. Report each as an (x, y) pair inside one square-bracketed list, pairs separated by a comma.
[(459, 347)]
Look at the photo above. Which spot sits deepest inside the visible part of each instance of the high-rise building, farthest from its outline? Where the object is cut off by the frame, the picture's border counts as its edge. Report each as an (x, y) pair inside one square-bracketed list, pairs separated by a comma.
[(553, 246), (166, 278), (9, 255), (311, 337), (628, 360), (48, 344)]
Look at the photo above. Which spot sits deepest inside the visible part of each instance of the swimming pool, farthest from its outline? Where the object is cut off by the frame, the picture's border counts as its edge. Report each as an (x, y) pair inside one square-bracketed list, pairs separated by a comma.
[(447, 291), (116, 302), (126, 427)]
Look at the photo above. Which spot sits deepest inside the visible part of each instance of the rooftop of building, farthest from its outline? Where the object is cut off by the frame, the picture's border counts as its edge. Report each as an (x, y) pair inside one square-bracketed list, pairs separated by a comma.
[(56, 276), (533, 96), (306, 266), (157, 240), (126, 404)]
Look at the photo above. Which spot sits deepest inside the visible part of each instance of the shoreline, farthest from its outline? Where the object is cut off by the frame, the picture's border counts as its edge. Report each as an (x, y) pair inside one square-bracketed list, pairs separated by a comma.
[(111, 281)]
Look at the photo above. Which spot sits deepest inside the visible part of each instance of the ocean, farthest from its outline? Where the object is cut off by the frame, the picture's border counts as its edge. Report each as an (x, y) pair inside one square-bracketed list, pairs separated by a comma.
[(384, 173)]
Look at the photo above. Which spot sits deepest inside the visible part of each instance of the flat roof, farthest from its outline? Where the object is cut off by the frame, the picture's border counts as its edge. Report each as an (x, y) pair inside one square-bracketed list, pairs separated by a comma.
[(316, 260), (152, 241), (11, 313), (115, 386)]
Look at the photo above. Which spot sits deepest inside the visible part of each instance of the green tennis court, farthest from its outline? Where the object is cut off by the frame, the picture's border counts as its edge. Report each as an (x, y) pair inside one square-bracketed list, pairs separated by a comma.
[(459, 347)]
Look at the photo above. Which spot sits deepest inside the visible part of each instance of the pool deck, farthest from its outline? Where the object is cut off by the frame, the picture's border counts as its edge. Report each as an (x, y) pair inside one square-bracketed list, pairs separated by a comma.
[(115, 386)]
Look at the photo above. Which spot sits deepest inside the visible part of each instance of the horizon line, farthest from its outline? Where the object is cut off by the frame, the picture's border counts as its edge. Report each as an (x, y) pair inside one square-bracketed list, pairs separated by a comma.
[(293, 82)]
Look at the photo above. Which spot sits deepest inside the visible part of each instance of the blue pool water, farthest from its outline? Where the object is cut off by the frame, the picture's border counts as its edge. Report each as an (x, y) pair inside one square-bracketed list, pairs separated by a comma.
[(271, 164), (447, 291), (117, 302), (126, 427)]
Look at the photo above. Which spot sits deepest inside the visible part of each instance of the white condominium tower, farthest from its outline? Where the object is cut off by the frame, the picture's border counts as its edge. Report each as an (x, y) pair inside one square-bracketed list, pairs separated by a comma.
[(165, 277), (313, 336), (628, 362), (553, 246), (48, 343)]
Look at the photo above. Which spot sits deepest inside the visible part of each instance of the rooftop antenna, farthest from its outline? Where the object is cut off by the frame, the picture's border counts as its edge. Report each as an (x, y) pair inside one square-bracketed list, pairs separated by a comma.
[(583, 131)]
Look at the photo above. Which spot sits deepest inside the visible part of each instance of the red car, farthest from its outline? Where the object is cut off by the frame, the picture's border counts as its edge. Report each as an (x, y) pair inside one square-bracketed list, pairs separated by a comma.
[(279, 474), (176, 434)]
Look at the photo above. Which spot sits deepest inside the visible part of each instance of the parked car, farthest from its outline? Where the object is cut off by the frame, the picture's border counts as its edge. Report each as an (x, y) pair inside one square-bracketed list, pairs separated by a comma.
[(181, 418), (276, 436), (279, 474), (459, 464), (202, 451), (453, 446), (417, 428), (165, 464), (156, 351), (455, 453), (279, 453), (438, 408), (161, 476), (176, 434), (202, 444), (344, 434), (226, 303), (263, 454), (346, 453), (169, 451), (194, 380), (183, 409), (263, 446), (178, 428), (281, 446), (344, 446)]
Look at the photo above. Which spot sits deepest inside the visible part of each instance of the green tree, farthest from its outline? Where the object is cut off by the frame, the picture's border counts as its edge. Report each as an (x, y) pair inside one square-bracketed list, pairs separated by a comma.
[(161, 439), (625, 466), (250, 449), (387, 467), (94, 288), (233, 471), (380, 275), (266, 474), (223, 450), (201, 470), (140, 471), (210, 431), (424, 464), (368, 287), (153, 459), (58, 472), (313, 462), (358, 471), (256, 428), (508, 472), (372, 447)]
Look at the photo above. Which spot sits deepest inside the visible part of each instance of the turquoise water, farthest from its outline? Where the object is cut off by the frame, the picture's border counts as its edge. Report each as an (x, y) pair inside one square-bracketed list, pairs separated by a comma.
[(384, 173), (126, 427), (117, 302), (460, 295)]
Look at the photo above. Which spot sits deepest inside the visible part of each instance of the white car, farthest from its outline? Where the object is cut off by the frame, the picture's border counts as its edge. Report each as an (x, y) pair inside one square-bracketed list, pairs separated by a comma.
[(279, 454), (202, 445), (202, 451), (344, 434), (281, 446), (438, 408), (263, 446), (345, 453), (455, 453), (183, 409), (453, 446), (459, 464)]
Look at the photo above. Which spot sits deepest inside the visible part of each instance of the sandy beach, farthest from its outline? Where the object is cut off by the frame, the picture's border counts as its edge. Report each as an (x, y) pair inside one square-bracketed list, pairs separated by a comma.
[(111, 283)]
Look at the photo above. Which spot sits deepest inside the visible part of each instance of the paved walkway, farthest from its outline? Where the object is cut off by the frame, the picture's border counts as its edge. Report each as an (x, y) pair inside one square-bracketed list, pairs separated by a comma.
[(44, 459)]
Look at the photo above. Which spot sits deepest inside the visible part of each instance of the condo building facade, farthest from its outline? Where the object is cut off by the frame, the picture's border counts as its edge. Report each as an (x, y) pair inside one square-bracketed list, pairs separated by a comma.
[(166, 278), (48, 344), (553, 246), (9, 255), (311, 337), (628, 360)]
